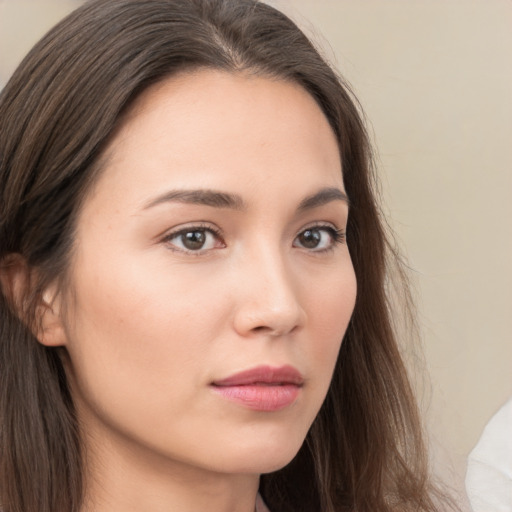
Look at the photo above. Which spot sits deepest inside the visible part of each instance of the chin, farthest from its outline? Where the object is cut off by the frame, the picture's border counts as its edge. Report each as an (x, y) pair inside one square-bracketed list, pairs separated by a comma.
[(265, 456)]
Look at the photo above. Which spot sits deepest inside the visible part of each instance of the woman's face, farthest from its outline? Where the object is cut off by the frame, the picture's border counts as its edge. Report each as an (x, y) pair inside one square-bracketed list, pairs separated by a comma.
[(211, 284)]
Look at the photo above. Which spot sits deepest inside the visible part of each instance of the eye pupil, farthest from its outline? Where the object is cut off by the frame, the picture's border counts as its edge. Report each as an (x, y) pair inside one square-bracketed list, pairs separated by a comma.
[(310, 238), (194, 240)]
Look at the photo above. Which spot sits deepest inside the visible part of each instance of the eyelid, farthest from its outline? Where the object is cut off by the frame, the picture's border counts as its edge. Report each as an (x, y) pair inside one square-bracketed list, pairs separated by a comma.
[(322, 225)]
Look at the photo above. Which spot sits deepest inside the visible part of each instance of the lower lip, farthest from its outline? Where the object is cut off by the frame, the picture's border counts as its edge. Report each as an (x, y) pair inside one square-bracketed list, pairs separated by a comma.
[(259, 397)]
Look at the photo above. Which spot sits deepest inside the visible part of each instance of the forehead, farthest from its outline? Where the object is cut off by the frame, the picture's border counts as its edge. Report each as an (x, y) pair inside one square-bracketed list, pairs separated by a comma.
[(207, 127), (239, 103)]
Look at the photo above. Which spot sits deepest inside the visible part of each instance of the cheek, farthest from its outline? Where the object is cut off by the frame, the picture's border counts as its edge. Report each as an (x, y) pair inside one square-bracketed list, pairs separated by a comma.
[(333, 300), (142, 352), (136, 337), (141, 320), (329, 312)]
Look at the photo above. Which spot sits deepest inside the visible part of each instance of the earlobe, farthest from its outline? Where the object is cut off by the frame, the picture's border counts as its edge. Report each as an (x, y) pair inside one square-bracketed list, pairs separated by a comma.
[(17, 280)]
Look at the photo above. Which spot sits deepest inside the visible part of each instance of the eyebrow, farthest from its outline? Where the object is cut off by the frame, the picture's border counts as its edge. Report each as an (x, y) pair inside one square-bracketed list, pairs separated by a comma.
[(201, 196), (323, 196), (218, 199)]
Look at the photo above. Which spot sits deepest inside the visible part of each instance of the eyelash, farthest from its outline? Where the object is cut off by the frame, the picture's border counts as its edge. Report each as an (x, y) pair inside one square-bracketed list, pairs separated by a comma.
[(338, 236)]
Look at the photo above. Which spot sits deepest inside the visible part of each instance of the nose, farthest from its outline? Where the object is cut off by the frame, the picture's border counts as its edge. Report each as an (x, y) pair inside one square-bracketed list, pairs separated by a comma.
[(268, 302)]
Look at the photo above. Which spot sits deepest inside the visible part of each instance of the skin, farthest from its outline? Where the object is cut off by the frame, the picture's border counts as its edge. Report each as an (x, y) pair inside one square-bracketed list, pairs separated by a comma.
[(149, 325)]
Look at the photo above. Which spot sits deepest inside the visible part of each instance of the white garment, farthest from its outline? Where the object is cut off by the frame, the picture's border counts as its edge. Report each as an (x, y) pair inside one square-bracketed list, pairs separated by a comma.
[(489, 473)]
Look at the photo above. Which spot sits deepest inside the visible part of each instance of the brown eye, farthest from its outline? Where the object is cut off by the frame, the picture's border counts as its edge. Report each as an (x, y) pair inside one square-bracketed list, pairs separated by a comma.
[(319, 238), (310, 238), (194, 239)]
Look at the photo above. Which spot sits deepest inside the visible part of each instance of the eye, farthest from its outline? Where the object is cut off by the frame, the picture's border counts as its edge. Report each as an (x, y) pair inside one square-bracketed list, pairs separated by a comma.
[(194, 239), (319, 238)]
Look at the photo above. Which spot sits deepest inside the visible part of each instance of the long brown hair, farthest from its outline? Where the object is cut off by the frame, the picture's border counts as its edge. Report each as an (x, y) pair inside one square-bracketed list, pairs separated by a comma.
[(364, 451)]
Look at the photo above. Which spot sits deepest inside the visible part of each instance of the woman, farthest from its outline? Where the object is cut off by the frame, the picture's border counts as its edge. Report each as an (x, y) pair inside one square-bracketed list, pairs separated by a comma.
[(179, 268)]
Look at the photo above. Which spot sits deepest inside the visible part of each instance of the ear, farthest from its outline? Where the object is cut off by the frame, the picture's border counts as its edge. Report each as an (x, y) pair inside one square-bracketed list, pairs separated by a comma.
[(18, 280)]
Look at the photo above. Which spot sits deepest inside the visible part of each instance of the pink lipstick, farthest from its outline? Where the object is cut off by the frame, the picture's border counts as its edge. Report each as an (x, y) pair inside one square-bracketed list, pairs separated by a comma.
[(263, 388)]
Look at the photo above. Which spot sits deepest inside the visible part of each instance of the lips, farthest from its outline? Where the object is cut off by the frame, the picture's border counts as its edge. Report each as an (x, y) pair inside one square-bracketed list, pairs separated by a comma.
[(263, 388)]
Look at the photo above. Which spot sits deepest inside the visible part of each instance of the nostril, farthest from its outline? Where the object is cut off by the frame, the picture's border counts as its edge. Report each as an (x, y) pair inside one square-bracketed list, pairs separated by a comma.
[(273, 331), (262, 328)]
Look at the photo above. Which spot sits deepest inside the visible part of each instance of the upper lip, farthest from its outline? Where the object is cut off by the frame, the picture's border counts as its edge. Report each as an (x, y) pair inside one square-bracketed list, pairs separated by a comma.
[(263, 375)]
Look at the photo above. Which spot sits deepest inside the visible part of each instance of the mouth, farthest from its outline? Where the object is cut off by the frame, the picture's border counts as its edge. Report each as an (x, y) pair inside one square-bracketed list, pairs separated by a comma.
[(263, 388)]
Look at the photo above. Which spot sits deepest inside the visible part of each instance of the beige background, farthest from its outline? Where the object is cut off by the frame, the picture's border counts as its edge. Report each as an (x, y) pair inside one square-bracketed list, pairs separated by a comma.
[(435, 79)]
